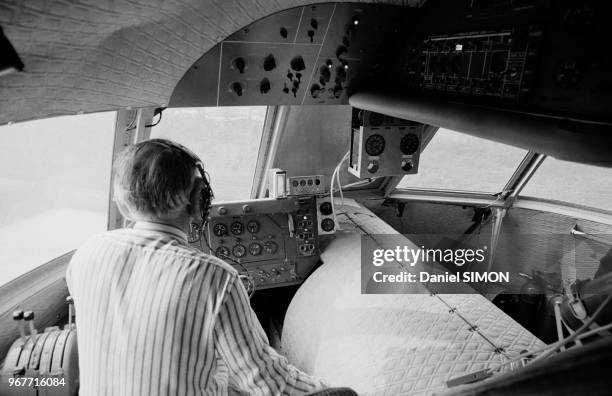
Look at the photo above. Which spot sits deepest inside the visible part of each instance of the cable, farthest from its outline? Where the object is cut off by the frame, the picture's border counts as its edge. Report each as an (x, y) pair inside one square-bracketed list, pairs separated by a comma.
[(336, 174), (549, 349), (581, 329)]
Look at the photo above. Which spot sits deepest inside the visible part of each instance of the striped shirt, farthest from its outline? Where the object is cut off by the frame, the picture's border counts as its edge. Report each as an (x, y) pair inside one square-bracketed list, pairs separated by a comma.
[(158, 317)]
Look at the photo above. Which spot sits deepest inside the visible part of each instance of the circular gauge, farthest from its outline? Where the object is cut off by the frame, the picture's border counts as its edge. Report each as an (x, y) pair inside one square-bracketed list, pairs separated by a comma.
[(239, 250), (375, 145), (220, 229), (327, 225), (222, 252), (270, 247), (325, 208), (255, 249), (253, 226), (409, 144), (237, 228)]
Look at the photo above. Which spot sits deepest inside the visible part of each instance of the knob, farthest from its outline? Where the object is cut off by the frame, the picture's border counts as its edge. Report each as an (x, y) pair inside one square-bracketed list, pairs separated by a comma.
[(407, 165), (28, 315), (237, 88), (69, 300), (269, 63), (240, 64), (222, 210), (311, 34), (283, 32), (264, 86), (297, 63), (246, 208), (17, 315), (373, 166)]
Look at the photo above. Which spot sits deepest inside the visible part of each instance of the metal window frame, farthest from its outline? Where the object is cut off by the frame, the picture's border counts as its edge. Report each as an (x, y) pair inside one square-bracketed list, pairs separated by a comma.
[(130, 128), (273, 130)]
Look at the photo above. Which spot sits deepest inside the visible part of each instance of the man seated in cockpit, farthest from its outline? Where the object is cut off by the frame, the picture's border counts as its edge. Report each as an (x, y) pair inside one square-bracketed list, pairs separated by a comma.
[(156, 316)]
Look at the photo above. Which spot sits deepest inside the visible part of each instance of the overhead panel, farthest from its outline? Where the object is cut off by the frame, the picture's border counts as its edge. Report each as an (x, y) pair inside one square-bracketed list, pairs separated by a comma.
[(532, 57), (304, 55)]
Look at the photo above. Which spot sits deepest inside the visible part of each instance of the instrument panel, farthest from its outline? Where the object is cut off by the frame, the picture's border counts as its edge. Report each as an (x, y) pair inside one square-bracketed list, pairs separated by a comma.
[(273, 241)]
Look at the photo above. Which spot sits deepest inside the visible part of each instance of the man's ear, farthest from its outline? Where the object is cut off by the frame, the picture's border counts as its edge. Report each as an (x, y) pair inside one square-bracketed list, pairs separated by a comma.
[(193, 208)]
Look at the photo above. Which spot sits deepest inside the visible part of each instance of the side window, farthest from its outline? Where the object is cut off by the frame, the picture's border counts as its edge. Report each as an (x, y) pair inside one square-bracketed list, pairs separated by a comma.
[(226, 139), (54, 187), (578, 184)]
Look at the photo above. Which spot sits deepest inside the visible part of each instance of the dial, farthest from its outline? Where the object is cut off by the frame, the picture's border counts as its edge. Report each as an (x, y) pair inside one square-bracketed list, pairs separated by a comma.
[(375, 145), (270, 247), (409, 144), (239, 250), (255, 249), (237, 228), (253, 226), (220, 229), (325, 208), (327, 225), (222, 252)]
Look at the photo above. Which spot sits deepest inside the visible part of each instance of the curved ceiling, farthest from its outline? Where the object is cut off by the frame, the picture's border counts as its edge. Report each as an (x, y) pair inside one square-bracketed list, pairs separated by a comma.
[(88, 56)]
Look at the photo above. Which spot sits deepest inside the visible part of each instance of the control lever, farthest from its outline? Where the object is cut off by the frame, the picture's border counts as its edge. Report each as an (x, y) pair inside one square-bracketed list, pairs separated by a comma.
[(18, 316), (28, 316), (70, 302)]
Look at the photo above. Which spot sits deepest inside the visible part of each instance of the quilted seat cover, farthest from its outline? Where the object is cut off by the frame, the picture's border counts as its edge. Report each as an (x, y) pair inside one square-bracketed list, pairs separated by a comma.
[(400, 344)]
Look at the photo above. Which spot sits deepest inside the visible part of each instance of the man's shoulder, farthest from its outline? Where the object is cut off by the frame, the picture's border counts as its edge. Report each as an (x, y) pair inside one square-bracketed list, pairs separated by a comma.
[(169, 247), (204, 258)]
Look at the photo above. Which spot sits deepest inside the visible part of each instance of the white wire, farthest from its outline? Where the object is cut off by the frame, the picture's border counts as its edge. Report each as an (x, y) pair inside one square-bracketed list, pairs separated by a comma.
[(336, 175)]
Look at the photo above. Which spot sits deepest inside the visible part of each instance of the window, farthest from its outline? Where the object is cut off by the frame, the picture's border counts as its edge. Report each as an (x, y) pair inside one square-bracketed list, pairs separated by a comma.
[(459, 162), (579, 184), (54, 187), (226, 139)]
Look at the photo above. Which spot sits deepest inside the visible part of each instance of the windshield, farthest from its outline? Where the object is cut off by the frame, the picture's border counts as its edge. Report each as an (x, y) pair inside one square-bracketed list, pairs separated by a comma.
[(226, 139), (579, 184), (460, 162)]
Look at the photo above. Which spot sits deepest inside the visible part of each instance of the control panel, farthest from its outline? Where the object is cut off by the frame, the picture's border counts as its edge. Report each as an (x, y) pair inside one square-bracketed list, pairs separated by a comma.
[(306, 185), (539, 57), (498, 64), (274, 241), (384, 146), (326, 222)]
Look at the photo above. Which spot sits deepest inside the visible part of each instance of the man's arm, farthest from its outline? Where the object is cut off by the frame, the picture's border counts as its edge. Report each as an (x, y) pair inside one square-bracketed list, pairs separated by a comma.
[(255, 367)]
